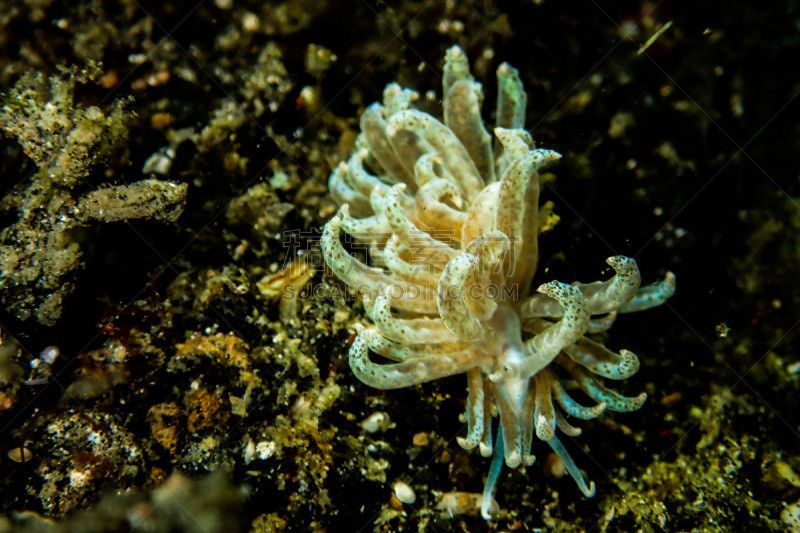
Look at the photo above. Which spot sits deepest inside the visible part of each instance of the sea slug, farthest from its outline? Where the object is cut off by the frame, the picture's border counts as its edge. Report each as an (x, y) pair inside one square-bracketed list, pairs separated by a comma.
[(450, 214)]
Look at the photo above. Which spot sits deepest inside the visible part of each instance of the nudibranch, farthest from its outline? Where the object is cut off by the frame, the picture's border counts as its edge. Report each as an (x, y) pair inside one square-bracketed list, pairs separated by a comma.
[(450, 217)]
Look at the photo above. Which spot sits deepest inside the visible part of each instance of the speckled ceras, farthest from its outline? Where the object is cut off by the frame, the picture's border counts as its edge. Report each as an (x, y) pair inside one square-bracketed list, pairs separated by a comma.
[(451, 217)]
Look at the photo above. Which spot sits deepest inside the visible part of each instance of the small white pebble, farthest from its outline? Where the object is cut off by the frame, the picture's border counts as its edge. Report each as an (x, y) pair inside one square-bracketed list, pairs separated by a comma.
[(250, 22), (265, 449), (377, 421), (404, 493), (137, 59), (49, 354), (249, 451), (159, 163)]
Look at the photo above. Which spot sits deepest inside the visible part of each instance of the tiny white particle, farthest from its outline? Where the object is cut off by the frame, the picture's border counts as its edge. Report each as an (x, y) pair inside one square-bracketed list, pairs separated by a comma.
[(404, 493)]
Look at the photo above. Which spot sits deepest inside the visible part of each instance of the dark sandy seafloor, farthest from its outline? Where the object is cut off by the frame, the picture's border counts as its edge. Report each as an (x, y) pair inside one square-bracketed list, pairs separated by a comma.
[(162, 162)]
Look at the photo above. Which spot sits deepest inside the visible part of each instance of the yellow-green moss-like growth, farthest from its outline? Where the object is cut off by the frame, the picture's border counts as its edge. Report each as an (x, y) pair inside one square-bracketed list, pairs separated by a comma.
[(65, 141)]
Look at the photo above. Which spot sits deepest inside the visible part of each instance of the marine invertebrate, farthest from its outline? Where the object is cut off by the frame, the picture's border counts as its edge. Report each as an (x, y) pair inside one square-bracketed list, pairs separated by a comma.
[(455, 224)]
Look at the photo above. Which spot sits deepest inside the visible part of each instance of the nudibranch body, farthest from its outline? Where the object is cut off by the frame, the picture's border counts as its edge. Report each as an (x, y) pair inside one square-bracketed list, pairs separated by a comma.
[(451, 218)]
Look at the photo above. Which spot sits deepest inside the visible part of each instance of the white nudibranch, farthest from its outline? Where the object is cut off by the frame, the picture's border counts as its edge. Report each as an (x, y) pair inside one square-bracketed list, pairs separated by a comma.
[(452, 213)]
